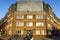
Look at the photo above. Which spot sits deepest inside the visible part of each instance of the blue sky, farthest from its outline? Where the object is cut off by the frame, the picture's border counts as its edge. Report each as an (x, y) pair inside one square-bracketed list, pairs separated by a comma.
[(5, 4)]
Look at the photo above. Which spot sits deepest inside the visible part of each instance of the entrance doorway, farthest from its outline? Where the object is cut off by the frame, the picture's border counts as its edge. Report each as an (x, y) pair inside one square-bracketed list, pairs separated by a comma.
[(29, 32)]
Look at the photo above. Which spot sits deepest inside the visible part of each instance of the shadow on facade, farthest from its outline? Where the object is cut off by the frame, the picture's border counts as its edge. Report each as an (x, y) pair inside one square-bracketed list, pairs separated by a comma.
[(55, 33)]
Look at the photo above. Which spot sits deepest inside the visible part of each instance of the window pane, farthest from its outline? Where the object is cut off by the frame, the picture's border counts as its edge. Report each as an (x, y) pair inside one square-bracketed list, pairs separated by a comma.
[(29, 24), (19, 24), (19, 32), (49, 25), (40, 32), (39, 24), (10, 32), (29, 16), (37, 32), (20, 17), (39, 17), (48, 18), (11, 18)]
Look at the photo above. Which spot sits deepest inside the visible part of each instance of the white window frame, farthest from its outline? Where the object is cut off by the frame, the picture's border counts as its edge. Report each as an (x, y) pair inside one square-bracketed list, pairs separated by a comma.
[(20, 16), (39, 23), (29, 23), (19, 24), (29, 16), (40, 32), (39, 16)]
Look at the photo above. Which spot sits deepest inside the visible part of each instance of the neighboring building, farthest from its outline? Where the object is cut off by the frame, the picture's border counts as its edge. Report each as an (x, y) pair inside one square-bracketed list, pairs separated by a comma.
[(30, 17)]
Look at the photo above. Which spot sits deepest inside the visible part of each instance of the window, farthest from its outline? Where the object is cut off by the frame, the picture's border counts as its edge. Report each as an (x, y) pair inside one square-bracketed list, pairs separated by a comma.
[(49, 25), (19, 32), (51, 20), (10, 25), (8, 20), (9, 15), (49, 33), (48, 18), (39, 17), (51, 15), (38, 32), (10, 32), (11, 18), (29, 24), (20, 17), (7, 27), (39, 24), (19, 24), (29, 16)]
